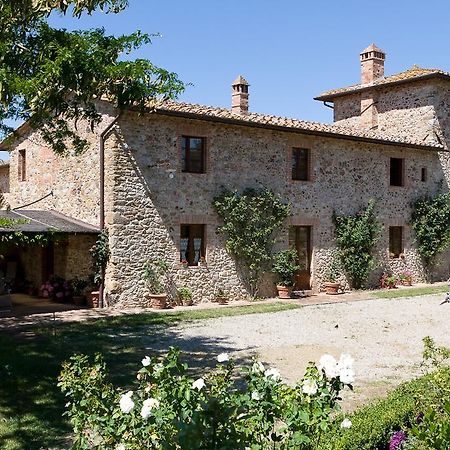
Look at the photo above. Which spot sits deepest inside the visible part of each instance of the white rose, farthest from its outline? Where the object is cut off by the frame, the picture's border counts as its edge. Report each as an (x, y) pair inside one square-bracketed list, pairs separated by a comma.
[(256, 396), (309, 387), (148, 405), (346, 423), (272, 373), (329, 365), (198, 384), (223, 357), (126, 404), (347, 376), (258, 367), (345, 361), (146, 361)]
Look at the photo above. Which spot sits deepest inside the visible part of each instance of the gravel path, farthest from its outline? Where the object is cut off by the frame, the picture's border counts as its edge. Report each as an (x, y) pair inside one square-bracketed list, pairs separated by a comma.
[(383, 336)]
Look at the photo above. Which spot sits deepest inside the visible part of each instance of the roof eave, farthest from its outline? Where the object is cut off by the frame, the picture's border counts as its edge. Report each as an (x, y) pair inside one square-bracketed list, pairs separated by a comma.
[(329, 97), (328, 134)]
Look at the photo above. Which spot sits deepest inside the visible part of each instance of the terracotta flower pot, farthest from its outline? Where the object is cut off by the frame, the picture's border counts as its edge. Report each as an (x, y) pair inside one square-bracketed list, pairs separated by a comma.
[(331, 288), (158, 301), (94, 299), (222, 300), (284, 291)]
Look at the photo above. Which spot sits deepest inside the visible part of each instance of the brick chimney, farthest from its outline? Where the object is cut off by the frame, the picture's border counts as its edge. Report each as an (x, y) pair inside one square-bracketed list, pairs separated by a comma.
[(239, 95), (372, 64)]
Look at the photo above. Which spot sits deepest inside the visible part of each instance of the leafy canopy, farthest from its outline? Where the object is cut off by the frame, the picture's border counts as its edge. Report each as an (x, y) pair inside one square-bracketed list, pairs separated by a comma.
[(53, 77), (356, 236), (430, 221), (250, 221)]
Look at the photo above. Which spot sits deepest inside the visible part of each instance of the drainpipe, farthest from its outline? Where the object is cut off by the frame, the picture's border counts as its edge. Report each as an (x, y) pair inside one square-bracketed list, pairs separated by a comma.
[(103, 137)]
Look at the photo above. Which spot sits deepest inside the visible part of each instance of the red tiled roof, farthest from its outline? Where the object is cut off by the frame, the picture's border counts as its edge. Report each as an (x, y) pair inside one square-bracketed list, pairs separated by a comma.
[(413, 74), (283, 123)]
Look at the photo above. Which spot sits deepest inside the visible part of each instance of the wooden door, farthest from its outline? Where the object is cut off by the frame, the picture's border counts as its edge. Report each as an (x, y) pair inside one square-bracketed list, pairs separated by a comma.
[(304, 252)]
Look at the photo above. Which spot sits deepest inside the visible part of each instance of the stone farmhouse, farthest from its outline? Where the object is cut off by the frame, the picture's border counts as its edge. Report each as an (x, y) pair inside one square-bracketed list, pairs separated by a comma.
[(153, 181)]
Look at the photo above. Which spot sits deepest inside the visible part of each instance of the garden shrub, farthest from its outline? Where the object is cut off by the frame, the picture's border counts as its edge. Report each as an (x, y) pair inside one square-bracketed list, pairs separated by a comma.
[(168, 409), (356, 237), (250, 221), (430, 221)]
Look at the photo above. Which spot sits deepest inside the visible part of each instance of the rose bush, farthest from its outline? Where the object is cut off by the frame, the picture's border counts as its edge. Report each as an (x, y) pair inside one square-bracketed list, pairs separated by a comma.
[(167, 409)]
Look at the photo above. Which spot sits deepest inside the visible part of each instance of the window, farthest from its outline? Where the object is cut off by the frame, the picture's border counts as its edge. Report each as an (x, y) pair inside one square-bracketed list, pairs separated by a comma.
[(395, 242), (193, 154), (300, 164), (396, 172), (423, 175), (192, 243), (22, 165)]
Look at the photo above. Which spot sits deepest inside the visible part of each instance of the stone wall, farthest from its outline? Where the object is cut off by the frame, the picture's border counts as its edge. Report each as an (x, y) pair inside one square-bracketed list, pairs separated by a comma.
[(73, 179), (4, 178), (151, 197)]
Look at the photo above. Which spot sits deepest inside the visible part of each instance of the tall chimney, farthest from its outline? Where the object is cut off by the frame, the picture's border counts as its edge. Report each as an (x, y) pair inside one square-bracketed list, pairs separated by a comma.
[(239, 95), (372, 64)]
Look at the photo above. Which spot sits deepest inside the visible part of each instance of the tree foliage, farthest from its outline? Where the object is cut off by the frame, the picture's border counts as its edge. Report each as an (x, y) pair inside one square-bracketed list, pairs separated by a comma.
[(430, 221), (52, 77), (356, 237), (250, 222)]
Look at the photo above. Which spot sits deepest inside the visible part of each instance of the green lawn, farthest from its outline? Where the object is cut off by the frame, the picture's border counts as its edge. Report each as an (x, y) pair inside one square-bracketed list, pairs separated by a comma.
[(30, 402), (413, 292)]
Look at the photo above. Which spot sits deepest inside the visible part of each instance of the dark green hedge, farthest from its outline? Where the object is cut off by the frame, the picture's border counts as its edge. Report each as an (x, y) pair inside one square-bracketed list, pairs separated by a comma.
[(373, 424)]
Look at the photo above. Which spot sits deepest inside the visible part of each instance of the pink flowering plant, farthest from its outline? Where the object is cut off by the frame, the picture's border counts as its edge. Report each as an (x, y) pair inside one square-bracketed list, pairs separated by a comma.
[(167, 408)]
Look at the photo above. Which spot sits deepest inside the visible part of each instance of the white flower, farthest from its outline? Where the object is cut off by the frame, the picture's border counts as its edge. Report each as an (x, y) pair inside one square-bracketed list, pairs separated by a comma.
[(346, 423), (223, 357), (148, 405), (256, 396), (345, 361), (272, 373), (309, 387), (258, 367), (329, 365), (126, 404), (347, 376), (198, 384), (146, 361), (120, 447)]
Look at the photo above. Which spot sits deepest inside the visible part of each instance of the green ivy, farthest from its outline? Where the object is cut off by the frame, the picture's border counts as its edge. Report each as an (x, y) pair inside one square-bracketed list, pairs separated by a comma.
[(100, 256), (356, 237), (250, 221), (430, 221)]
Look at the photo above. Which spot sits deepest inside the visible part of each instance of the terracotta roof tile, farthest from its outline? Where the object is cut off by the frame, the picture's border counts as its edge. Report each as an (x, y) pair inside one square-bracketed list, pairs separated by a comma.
[(270, 121), (413, 74)]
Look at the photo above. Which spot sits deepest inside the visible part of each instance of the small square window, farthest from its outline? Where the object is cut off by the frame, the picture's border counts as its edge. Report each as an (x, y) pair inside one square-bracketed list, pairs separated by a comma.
[(396, 172), (193, 154), (395, 242), (300, 164), (423, 175), (22, 165), (192, 243)]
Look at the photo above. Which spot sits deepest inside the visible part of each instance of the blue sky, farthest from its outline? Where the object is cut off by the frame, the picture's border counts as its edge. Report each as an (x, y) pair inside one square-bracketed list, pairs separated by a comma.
[(288, 50)]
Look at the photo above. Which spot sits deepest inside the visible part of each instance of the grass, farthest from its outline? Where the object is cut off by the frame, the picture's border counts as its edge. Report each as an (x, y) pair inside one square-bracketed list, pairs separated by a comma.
[(413, 292), (31, 404)]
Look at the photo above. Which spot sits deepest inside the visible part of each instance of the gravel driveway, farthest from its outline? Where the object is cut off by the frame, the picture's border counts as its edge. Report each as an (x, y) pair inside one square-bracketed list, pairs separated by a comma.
[(383, 336)]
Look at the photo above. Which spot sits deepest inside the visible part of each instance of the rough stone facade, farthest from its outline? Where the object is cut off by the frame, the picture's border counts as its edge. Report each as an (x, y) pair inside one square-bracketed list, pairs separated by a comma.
[(148, 196)]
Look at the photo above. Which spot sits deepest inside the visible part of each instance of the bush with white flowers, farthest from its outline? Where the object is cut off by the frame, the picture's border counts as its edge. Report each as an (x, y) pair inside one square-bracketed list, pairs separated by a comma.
[(168, 409)]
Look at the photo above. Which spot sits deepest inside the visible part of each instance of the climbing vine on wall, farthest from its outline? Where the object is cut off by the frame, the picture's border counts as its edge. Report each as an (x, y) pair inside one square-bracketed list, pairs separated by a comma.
[(356, 236), (250, 222), (100, 256), (430, 221)]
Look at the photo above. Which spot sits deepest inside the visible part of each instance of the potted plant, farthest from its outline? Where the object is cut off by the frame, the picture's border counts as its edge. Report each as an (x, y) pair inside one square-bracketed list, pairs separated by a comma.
[(78, 287), (388, 281), (221, 297), (331, 285), (184, 296), (285, 266), (405, 277), (155, 275)]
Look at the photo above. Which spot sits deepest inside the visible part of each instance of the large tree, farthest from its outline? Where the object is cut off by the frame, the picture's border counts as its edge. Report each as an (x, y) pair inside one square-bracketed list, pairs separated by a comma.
[(52, 77)]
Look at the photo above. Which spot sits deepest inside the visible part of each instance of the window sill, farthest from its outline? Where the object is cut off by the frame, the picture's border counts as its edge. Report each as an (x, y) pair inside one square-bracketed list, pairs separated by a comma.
[(186, 267)]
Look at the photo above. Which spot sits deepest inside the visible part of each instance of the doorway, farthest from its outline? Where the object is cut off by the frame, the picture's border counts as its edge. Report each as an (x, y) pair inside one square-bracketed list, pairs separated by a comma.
[(302, 239)]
